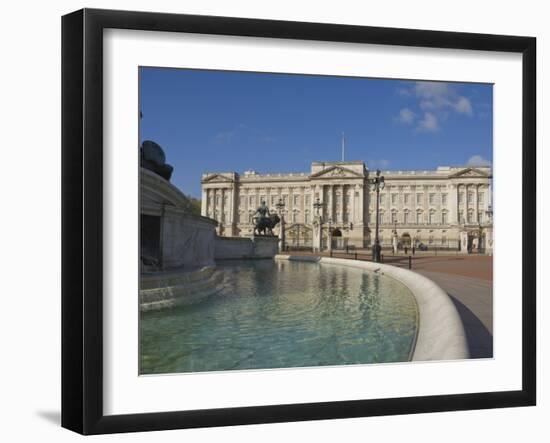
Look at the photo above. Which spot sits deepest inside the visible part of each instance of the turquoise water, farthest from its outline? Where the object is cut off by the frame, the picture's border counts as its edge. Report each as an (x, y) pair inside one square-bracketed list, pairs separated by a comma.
[(284, 314)]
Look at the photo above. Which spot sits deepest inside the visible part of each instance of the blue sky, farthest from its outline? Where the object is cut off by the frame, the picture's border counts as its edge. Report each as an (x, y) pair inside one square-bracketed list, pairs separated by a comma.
[(216, 121)]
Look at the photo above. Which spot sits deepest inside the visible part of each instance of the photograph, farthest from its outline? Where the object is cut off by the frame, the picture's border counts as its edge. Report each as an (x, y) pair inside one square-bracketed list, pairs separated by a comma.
[(291, 220)]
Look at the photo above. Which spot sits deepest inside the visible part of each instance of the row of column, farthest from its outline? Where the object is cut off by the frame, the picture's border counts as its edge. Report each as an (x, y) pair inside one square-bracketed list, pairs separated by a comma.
[(466, 206), (328, 196), (219, 203)]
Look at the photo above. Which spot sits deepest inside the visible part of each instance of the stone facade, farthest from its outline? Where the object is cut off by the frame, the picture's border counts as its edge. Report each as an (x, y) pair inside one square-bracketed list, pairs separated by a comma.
[(429, 207)]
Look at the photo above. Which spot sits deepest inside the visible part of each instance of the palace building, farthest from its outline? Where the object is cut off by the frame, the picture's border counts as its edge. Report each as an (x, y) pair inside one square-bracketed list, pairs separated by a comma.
[(445, 208)]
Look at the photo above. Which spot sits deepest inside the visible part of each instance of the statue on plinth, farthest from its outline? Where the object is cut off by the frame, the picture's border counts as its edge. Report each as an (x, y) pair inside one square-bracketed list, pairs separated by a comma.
[(264, 222)]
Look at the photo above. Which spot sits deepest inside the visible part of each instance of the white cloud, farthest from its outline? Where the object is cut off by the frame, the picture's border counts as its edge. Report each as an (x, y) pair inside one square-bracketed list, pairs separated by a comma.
[(441, 96), (406, 116), (463, 106), (478, 160), (429, 123), (438, 100)]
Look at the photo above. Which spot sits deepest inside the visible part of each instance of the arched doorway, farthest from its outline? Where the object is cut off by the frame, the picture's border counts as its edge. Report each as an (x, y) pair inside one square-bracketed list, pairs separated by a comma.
[(337, 240), (406, 240)]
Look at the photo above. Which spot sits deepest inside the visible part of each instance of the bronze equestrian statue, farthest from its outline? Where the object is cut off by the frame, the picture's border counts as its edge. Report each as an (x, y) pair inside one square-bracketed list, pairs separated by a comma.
[(264, 222)]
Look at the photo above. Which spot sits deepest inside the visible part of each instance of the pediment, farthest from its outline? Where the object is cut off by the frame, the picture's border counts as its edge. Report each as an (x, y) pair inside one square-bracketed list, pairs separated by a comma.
[(469, 173), (217, 178), (336, 172)]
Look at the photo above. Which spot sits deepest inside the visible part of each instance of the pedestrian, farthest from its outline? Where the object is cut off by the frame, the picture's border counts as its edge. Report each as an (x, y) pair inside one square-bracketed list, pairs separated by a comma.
[(413, 249), (406, 249)]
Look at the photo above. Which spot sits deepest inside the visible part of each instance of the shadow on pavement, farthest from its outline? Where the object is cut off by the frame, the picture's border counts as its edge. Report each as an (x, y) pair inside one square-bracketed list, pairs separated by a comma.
[(480, 340), (53, 417)]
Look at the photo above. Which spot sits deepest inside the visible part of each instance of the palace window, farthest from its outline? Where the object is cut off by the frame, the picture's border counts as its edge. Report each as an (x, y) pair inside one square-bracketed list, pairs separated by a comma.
[(432, 199), (285, 199), (296, 200), (273, 200), (460, 216), (444, 240), (480, 217), (262, 199), (470, 197), (431, 217), (480, 198), (394, 217), (461, 197), (406, 198), (217, 200), (443, 199), (295, 217), (470, 216), (394, 199), (306, 218), (241, 200), (418, 199), (444, 217), (419, 217), (307, 200), (251, 200), (382, 198), (406, 217)]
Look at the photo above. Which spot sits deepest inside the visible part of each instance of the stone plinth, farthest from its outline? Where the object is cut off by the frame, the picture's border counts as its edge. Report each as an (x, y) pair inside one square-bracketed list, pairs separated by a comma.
[(171, 236), (187, 239), (245, 247)]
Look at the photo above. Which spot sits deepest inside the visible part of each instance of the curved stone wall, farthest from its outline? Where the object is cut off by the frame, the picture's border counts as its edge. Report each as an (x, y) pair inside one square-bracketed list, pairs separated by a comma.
[(440, 333)]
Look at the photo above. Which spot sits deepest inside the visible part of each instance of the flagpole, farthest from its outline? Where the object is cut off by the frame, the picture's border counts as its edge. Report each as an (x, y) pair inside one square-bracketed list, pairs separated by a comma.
[(343, 146)]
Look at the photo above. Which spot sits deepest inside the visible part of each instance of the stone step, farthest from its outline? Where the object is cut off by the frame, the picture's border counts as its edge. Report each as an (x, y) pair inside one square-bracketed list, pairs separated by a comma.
[(180, 290)]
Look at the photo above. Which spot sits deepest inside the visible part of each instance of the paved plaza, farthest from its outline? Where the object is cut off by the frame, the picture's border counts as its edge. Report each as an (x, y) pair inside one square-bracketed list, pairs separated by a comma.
[(468, 279)]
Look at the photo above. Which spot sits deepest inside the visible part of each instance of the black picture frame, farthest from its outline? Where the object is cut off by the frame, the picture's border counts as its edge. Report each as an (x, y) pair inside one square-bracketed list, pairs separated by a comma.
[(82, 218)]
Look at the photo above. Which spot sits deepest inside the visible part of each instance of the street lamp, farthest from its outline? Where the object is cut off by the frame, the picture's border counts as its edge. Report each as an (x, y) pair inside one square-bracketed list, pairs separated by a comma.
[(280, 207), (377, 183)]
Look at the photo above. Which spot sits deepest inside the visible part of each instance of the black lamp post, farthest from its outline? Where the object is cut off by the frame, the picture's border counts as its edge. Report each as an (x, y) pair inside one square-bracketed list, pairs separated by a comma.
[(377, 184)]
